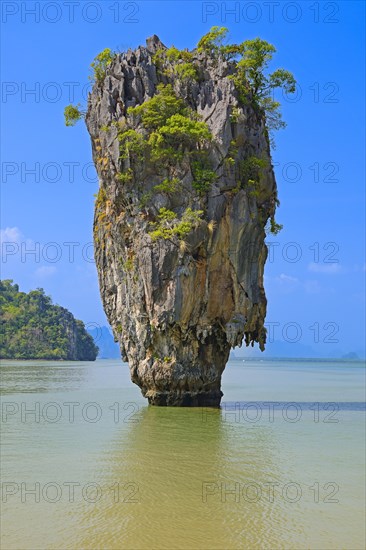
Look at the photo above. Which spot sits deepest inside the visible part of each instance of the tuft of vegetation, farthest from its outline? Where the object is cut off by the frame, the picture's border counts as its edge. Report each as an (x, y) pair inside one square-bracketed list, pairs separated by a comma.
[(167, 186), (176, 62), (125, 177), (186, 72), (173, 128), (274, 227), (155, 112), (73, 114), (132, 143), (169, 226), (203, 176), (101, 63), (180, 131), (251, 76), (33, 328), (173, 54), (212, 42), (252, 72), (234, 116), (251, 171)]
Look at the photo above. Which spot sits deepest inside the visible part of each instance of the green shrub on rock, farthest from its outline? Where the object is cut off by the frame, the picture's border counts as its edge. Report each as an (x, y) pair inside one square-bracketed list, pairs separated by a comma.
[(73, 114), (169, 226), (186, 72), (156, 111), (203, 177), (131, 143), (101, 63)]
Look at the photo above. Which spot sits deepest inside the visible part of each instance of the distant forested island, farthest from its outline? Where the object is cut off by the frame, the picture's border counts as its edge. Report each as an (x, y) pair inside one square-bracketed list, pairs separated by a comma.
[(32, 327)]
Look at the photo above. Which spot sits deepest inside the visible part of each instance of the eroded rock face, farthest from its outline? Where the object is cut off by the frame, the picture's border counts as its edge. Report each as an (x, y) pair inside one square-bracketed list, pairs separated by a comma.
[(177, 309)]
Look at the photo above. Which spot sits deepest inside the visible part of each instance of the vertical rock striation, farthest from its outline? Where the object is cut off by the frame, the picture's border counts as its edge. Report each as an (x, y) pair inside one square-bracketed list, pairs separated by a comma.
[(178, 305)]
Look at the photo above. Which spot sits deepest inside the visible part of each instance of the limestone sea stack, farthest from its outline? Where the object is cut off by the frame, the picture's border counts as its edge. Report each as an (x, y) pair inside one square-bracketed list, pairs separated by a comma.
[(186, 190)]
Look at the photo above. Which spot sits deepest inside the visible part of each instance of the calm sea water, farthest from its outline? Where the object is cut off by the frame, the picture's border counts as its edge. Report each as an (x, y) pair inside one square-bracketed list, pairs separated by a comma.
[(86, 464)]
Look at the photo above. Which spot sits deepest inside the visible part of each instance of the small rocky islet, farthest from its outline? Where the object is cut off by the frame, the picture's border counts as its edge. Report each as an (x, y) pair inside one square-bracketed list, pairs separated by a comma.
[(181, 143)]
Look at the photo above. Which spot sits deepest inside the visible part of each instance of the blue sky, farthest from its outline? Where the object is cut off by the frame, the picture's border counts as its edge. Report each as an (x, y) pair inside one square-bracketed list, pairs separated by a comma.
[(315, 276)]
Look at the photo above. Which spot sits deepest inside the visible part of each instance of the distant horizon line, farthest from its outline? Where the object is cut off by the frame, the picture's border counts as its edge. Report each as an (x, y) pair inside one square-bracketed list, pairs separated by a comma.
[(253, 359)]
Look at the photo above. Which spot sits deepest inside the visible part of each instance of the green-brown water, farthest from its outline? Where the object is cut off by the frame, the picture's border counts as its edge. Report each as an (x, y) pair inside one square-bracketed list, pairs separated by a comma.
[(95, 468)]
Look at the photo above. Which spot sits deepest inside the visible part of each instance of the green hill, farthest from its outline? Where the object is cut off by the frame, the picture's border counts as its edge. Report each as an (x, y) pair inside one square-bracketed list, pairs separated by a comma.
[(31, 327)]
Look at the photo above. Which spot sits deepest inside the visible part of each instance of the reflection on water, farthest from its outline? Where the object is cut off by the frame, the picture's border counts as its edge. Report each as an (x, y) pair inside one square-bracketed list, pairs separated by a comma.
[(183, 466), (181, 478)]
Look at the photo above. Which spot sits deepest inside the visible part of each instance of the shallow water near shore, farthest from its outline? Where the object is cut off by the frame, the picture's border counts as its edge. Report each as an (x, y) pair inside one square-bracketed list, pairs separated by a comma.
[(87, 464)]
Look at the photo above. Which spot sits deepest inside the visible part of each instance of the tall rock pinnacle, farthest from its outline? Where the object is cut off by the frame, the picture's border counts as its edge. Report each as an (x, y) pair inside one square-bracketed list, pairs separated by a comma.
[(186, 189)]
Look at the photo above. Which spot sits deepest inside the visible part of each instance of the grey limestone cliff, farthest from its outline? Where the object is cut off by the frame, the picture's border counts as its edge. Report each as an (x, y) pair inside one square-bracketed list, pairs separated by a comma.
[(178, 305)]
